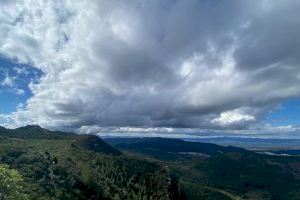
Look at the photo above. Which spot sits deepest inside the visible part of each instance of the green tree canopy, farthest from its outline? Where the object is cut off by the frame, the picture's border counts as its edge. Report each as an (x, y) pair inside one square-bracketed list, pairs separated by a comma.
[(11, 184)]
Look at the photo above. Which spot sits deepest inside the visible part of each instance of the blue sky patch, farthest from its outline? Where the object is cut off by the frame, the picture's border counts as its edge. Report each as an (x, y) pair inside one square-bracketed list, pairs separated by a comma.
[(287, 113), (14, 80)]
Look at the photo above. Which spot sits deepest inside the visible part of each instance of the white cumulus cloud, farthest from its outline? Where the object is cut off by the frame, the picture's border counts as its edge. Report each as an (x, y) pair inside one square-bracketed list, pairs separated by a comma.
[(152, 64), (233, 117)]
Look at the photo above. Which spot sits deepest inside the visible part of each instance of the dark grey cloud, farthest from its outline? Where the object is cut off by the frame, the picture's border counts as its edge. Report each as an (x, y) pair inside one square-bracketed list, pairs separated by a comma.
[(271, 37), (196, 64)]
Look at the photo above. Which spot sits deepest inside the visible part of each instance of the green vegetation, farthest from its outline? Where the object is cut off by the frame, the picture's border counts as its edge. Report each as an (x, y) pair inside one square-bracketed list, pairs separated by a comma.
[(208, 171), (94, 143), (41, 165), (11, 184), (82, 167)]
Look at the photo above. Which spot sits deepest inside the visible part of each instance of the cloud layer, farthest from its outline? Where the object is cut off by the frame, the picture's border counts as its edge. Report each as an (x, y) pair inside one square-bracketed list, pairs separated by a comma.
[(181, 64)]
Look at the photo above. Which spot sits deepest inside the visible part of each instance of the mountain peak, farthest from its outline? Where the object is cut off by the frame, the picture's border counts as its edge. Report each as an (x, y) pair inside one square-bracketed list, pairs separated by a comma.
[(94, 143), (35, 131), (31, 127)]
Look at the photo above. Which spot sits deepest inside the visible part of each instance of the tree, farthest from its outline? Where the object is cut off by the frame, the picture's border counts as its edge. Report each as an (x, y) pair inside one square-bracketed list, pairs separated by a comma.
[(11, 184)]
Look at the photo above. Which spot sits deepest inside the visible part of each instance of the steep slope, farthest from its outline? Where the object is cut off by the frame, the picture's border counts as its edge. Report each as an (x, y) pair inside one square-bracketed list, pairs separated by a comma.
[(81, 167), (87, 142), (94, 143)]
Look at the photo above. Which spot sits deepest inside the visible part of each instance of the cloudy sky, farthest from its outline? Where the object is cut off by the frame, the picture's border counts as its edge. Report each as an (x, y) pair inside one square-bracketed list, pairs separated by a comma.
[(160, 67)]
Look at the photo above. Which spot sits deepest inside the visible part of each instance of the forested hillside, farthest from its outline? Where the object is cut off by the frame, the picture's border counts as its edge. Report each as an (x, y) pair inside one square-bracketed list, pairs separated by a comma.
[(42, 164), (209, 171), (56, 165)]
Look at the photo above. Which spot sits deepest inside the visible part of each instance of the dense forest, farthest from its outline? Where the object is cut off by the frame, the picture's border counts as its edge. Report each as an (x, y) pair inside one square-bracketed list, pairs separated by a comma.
[(39, 164), (56, 165)]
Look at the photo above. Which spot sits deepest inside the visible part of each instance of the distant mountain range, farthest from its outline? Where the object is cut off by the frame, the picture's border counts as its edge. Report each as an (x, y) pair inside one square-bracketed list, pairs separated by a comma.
[(243, 142), (251, 143), (170, 148)]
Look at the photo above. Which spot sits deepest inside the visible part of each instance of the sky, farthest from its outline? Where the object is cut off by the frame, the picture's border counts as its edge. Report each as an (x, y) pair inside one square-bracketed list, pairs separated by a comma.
[(171, 68)]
